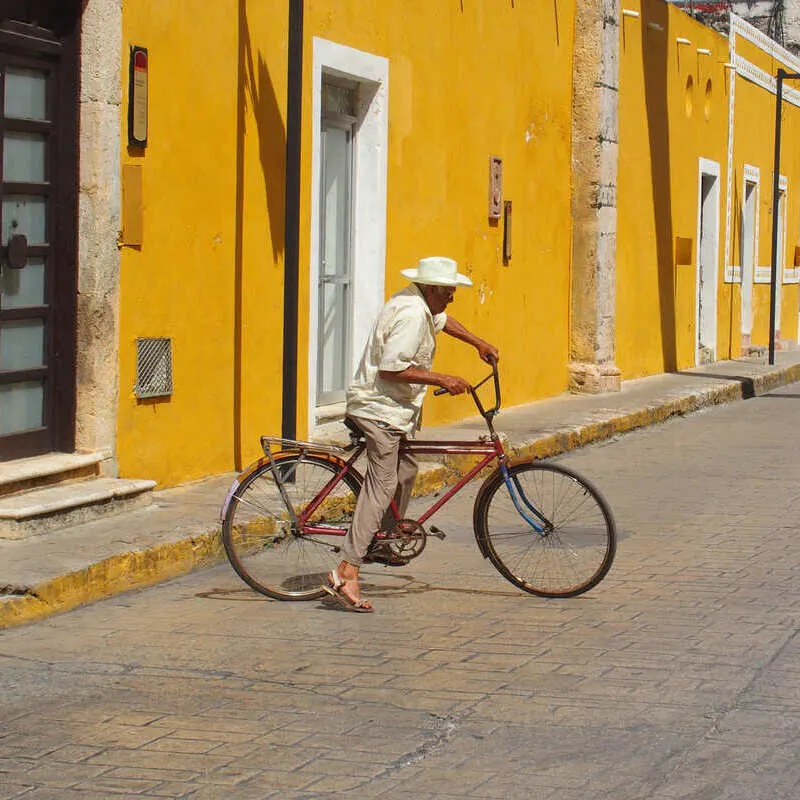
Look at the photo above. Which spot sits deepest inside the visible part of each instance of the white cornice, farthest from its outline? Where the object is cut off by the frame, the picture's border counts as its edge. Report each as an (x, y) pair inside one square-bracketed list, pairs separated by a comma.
[(740, 27), (763, 79)]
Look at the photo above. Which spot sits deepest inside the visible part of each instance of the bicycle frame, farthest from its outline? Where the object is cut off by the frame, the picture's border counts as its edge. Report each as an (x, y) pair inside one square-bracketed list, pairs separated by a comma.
[(489, 449)]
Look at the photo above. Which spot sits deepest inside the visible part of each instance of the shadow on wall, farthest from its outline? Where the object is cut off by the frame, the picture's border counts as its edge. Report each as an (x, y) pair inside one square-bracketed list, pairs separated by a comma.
[(256, 93), (656, 65)]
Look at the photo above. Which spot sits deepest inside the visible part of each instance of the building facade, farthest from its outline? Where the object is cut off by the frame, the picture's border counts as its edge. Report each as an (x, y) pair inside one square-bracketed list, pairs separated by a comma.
[(149, 146)]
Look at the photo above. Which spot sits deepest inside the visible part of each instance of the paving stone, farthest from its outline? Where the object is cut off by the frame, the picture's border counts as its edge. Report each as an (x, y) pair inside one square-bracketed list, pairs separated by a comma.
[(146, 759), (170, 744)]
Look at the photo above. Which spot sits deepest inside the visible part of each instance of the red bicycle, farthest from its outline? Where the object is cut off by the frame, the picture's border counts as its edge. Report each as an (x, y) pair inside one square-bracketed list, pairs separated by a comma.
[(544, 527)]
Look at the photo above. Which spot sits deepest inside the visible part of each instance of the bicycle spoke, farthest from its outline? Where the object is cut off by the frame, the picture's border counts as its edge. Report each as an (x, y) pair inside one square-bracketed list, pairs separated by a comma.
[(258, 529), (575, 550)]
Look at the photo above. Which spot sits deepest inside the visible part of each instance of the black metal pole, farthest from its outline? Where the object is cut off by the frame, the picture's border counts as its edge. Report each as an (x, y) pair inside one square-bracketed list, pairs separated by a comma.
[(781, 75), (294, 118), (773, 281)]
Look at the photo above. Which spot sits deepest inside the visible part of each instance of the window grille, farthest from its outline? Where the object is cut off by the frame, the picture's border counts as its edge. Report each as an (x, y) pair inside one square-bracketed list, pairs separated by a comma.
[(153, 367)]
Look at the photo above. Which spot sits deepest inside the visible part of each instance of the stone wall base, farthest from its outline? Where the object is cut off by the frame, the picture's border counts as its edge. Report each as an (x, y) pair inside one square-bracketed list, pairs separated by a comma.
[(594, 378)]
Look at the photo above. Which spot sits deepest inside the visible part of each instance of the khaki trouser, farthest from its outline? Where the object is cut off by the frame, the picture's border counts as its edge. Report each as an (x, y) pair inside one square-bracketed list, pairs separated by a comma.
[(389, 475)]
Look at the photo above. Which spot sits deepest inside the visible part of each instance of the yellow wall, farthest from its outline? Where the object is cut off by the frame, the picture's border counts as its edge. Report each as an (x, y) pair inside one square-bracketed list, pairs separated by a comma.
[(661, 142), (464, 85), (209, 270), (658, 187), (754, 116)]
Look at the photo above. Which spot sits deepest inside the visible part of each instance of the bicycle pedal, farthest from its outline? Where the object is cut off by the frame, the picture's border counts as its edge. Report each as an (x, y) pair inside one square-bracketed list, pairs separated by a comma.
[(434, 531)]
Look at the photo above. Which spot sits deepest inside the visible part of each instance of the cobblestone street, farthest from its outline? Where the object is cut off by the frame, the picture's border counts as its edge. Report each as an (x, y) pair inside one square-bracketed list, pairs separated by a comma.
[(677, 677)]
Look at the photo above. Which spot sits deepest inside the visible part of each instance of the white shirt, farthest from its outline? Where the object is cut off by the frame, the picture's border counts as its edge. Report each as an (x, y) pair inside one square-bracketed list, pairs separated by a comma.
[(404, 335)]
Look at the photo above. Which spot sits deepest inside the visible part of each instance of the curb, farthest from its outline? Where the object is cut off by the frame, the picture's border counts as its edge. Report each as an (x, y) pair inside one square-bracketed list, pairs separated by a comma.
[(113, 575), (744, 389), (137, 569)]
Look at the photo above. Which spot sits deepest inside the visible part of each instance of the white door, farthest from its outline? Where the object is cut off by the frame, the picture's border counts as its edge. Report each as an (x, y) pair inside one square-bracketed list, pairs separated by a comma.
[(335, 272), (707, 261)]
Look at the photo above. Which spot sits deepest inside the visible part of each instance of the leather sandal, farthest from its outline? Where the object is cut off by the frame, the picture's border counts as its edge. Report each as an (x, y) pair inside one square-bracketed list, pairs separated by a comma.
[(334, 589)]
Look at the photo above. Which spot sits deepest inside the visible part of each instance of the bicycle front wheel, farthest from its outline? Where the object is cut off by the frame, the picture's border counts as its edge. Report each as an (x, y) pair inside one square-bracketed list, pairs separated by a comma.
[(263, 543), (575, 547)]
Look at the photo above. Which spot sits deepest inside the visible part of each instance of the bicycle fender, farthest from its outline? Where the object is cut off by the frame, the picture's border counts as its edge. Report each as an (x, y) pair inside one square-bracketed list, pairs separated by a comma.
[(256, 465), (488, 484), (236, 484)]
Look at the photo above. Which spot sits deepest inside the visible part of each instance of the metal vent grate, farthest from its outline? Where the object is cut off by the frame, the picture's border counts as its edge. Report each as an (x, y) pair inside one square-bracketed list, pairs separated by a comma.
[(153, 368)]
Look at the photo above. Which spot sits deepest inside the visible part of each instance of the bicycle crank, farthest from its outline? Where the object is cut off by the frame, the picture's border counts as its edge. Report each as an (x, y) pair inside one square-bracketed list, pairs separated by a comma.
[(407, 539)]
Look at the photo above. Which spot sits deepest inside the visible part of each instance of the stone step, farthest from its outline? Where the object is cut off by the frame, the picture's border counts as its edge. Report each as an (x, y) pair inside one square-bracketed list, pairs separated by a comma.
[(40, 510), (31, 473)]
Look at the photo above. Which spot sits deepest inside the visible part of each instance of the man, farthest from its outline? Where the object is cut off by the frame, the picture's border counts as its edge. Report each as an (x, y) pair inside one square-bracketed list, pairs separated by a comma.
[(385, 401)]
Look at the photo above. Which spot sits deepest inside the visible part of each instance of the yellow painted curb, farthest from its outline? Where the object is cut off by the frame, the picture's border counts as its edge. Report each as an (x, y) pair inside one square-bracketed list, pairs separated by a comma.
[(113, 575)]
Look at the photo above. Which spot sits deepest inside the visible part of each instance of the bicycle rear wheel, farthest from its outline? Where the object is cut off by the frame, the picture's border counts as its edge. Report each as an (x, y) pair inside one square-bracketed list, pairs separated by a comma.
[(263, 544), (576, 547)]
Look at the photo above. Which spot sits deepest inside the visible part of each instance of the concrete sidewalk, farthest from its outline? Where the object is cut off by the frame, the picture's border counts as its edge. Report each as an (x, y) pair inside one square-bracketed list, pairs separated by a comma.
[(179, 532)]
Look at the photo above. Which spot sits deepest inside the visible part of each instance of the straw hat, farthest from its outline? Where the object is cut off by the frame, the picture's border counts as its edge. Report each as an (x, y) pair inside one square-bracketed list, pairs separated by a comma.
[(436, 271)]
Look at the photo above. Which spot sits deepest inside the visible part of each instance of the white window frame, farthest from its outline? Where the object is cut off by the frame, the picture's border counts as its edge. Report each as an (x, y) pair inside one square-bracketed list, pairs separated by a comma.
[(789, 274), (371, 73), (763, 273)]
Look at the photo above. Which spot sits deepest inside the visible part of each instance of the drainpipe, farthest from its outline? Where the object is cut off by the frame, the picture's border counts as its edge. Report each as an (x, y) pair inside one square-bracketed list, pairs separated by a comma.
[(294, 113)]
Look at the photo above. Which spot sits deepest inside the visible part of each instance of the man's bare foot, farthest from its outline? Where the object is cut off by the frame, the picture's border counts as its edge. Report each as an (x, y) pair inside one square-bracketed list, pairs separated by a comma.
[(343, 582)]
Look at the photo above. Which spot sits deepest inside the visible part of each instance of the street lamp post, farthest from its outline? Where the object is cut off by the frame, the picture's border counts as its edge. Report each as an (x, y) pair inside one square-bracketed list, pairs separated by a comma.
[(782, 75)]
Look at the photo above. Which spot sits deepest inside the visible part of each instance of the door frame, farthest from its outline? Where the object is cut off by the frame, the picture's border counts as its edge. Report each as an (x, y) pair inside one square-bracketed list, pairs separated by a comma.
[(707, 168), (58, 431), (371, 74)]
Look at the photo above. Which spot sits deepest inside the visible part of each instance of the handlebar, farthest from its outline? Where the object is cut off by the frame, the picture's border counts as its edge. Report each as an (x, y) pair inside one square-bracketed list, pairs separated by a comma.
[(486, 413)]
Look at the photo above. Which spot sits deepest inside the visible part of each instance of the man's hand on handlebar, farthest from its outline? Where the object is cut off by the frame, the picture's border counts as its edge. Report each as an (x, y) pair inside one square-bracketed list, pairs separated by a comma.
[(453, 384), (488, 352)]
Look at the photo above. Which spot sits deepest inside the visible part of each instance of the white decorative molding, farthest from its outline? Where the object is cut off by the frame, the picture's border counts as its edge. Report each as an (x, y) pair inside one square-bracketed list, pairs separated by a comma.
[(729, 165), (740, 27), (791, 274), (763, 79), (762, 275), (729, 179), (751, 173), (733, 274)]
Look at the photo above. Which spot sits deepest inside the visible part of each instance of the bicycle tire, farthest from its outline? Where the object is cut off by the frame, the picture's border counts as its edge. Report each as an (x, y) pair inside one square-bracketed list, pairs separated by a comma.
[(571, 556), (257, 533)]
